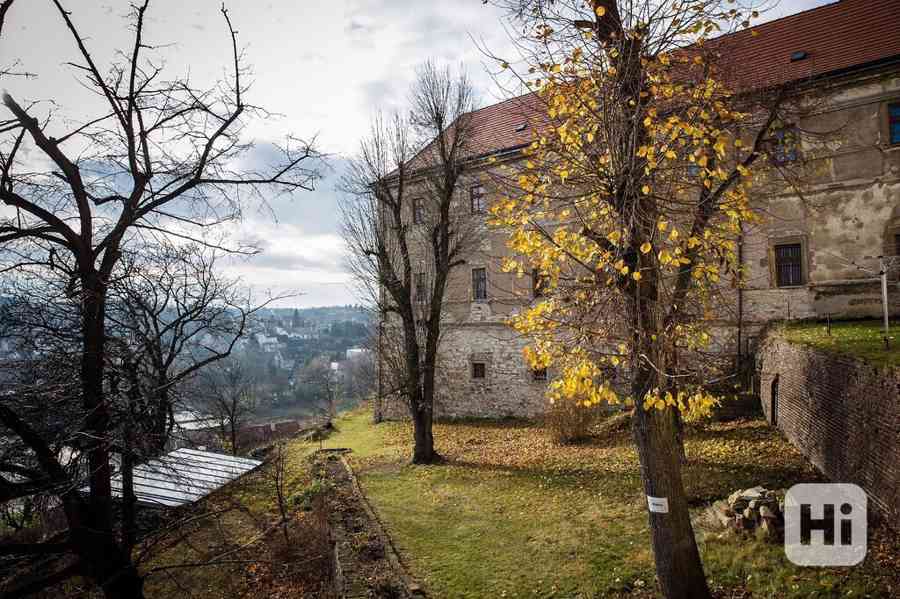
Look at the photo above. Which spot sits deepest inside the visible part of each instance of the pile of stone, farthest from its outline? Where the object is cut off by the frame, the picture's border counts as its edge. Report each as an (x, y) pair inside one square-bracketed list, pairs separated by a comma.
[(756, 510)]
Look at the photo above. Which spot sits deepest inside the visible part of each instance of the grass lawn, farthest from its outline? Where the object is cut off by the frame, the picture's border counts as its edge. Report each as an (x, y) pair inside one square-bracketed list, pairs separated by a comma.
[(511, 515), (861, 338)]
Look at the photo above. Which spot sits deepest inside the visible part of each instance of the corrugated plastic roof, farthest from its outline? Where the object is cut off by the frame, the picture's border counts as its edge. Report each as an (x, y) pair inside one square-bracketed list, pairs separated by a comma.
[(184, 476)]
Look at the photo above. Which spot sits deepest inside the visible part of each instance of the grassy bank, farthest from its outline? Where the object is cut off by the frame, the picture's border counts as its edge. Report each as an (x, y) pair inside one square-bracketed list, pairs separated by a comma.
[(231, 544), (511, 515), (862, 339)]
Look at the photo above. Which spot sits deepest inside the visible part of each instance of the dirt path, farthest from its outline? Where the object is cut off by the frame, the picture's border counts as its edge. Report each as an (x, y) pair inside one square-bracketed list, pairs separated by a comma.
[(366, 563)]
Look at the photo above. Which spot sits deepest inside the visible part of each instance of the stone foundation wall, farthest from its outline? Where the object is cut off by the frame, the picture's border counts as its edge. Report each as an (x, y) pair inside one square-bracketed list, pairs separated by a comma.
[(843, 414), (508, 389)]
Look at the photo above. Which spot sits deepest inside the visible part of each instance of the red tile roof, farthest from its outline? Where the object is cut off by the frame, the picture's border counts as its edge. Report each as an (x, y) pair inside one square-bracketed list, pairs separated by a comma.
[(506, 125), (836, 37)]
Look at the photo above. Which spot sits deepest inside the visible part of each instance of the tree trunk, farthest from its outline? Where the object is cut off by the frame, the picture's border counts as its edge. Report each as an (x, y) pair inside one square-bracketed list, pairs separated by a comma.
[(96, 444), (160, 418), (129, 500), (678, 565), (234, 447), (423, 451), (422, 417), (658, 438)]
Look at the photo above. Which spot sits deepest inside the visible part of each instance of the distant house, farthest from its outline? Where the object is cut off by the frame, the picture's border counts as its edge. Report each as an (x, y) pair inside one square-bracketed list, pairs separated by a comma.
[(354, 352), (266, 343)]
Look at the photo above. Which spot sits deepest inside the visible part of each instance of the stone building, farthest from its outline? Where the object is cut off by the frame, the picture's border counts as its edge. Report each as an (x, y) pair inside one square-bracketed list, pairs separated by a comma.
[(810, 258)]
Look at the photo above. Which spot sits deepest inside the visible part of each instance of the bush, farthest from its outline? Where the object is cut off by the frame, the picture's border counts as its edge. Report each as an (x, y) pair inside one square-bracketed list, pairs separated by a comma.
[(569, 422), (304, 499), (304, 559)]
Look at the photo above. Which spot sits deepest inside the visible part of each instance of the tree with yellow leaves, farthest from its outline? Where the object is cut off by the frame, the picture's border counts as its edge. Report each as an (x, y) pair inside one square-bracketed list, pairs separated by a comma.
[(630, 202)]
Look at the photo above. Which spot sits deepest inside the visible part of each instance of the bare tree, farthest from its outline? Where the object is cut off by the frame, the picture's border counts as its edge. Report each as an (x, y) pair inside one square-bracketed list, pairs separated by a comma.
[(278, 465), (359, 375), (176, 314), (229, 393), (326, 387), (161, 158), (406, 230)]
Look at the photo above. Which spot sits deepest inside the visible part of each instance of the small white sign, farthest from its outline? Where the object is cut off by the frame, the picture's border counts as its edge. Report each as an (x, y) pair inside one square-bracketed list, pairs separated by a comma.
[(659, 505)]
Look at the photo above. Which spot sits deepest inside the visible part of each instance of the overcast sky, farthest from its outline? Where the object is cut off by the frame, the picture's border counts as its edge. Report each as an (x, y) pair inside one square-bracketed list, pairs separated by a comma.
[(324, 65)]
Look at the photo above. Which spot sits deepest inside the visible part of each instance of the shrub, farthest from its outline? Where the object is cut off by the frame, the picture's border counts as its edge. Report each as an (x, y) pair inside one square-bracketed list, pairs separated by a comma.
[(304, 498), (569, 422)]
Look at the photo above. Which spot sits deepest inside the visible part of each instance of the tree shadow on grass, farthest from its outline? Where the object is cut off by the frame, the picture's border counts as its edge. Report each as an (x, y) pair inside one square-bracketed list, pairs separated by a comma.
[(556, 478)]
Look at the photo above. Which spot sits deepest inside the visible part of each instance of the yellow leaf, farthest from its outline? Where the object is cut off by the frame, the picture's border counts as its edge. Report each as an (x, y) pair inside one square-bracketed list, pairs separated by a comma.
[(646, 247), (600, 11), (636, 276)]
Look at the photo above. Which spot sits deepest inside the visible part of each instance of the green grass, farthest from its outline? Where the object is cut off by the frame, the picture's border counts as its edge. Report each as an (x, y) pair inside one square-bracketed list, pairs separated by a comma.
[(511, 515), (862, 339)]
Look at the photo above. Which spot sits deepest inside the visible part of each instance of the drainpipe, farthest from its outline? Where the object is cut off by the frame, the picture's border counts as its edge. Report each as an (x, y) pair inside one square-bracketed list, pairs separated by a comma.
[(379, 402), (740, 296), (884, 302)]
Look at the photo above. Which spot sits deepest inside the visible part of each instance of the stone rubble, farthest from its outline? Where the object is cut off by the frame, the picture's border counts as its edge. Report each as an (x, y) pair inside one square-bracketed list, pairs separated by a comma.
[(756, 510)]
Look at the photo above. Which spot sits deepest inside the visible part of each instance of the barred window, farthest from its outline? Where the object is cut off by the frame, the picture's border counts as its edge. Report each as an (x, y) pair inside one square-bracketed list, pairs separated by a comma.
[(418, 211), (421, 289), (784, 145), (479, 284), (479, 370), (539, 374), (477, 199), (894, 122), (789, 264)]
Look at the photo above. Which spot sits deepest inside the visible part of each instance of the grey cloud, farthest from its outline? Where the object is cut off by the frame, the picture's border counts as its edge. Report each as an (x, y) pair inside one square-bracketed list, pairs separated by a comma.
[(357, 27), (382, 94), (292, 262), (312, 212)]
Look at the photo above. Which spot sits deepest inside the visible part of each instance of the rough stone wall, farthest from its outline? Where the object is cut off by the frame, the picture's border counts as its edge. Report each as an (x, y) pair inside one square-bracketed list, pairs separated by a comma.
[(508, 389), (849, 211), (843, 414)]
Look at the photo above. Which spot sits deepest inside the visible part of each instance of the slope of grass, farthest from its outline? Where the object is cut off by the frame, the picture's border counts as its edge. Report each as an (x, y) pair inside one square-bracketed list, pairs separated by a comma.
[(862, 339), (230, 544), (511, 515)]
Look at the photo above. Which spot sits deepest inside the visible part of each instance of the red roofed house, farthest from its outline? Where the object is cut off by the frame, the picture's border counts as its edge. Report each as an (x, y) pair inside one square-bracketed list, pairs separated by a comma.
[(798, 263)]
